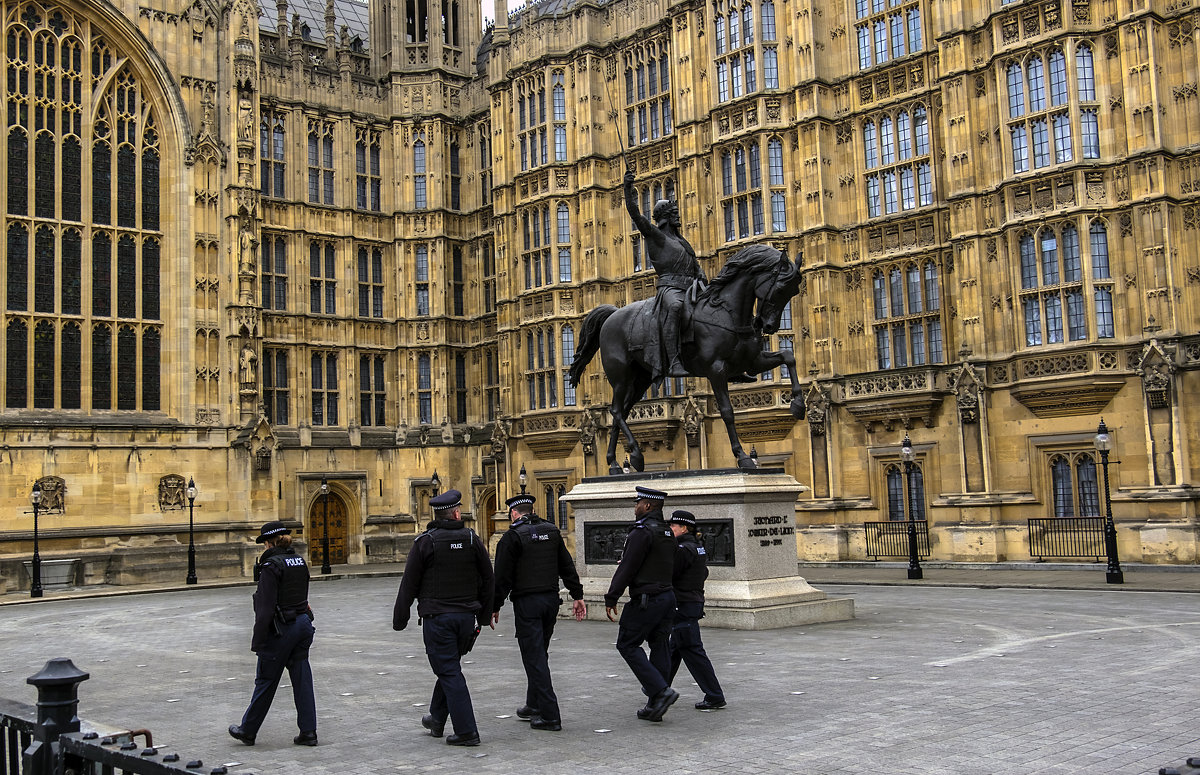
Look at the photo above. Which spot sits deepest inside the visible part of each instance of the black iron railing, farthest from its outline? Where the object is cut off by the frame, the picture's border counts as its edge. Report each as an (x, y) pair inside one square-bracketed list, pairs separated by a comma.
[(1067, 537), (17, 722), (87, 753), (47, 739), (890, 539)]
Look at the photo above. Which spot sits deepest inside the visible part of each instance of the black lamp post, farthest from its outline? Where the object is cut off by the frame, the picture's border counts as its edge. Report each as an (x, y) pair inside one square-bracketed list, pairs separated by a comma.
[(35, 586), (1104, 446), (325, 569), (914, 560), (191, 496), (524, 478)]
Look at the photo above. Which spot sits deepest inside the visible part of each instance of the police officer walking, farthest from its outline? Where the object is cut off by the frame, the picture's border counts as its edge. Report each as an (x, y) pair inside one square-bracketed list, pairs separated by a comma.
[(449, 573), (691, 569), (530, 559), (645, 568), (282, 635)]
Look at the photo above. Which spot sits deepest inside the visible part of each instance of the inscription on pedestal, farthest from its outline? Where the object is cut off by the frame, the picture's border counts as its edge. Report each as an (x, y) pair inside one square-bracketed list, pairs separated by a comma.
[(769, 530), (604, 542)]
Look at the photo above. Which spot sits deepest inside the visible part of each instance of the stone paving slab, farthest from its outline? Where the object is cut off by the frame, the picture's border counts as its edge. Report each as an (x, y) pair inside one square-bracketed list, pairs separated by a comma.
[(924, 680)]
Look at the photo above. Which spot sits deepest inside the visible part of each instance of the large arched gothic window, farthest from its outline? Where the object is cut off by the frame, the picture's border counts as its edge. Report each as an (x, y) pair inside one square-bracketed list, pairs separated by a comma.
[(82, 225)]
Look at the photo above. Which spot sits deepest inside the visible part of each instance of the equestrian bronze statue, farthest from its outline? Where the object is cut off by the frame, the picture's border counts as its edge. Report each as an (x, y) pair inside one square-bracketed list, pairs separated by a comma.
[(720, 335)]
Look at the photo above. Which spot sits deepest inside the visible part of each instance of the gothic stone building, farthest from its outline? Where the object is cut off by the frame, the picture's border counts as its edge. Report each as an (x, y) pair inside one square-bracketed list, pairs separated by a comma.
[(347, 244)]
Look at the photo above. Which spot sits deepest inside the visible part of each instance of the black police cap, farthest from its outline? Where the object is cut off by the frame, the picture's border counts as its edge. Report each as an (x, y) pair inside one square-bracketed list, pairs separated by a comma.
[(270, 530), (448, 500), (649, 494), (682, 517), (517, 500)]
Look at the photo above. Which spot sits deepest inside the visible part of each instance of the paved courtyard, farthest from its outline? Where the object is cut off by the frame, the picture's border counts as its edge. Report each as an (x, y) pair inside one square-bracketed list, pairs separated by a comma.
[(924, 680)]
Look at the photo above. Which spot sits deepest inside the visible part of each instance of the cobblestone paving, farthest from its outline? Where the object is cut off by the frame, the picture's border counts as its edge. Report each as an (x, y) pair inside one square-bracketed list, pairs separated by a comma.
[(925, 680)]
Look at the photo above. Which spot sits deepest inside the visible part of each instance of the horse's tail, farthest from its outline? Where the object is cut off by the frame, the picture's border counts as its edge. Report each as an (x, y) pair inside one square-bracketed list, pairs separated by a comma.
[(589, 341)]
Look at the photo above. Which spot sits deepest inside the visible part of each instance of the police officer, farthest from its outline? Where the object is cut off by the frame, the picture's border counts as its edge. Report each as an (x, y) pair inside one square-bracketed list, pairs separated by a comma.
[(449, 573), (283, 633), (645, 568), (530, 559), (691, 569)]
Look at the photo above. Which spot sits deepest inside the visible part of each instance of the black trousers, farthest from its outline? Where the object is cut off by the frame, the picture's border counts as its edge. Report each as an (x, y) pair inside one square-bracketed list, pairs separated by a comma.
[(285, 651), (686, 647), (535, 615), (652, 625), (447, 637)]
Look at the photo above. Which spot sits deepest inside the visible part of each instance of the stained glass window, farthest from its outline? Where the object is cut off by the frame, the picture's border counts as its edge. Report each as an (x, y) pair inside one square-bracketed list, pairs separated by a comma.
[(101, 274), (43, 365), (150, 190), (72, 179), (102, 367), (44, 167), (43, 270), (18, 267), (150, 358), (126, 187), (49, 100), (126, 278), (71, 365), (127, 367), (18, 165), (150, 253), (101, 180), (15, 367), (72, 243)]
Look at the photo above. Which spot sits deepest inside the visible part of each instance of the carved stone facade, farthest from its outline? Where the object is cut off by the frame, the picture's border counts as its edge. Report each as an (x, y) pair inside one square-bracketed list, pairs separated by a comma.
[(383, 242)]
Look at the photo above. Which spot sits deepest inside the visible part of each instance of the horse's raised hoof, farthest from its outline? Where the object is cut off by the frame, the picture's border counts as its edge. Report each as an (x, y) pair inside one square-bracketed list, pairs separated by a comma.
[(797, 408), (637, 461)]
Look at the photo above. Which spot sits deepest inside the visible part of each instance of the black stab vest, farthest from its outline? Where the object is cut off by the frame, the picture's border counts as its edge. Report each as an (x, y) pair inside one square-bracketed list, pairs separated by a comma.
[(293, 580), (692, 579), (452, 577), (537, 570), (660, 560)]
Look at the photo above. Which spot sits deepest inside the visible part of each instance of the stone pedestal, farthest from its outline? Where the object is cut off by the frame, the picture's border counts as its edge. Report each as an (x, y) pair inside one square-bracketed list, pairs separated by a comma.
[(747, 519)]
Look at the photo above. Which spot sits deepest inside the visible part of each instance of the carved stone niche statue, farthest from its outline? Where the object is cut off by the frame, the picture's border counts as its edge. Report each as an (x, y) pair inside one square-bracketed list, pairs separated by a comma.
[(966, 384), (500, 439), (587, 432), (248, 368), (816, 409), (171, 492), (693, 419), (1156, 369)]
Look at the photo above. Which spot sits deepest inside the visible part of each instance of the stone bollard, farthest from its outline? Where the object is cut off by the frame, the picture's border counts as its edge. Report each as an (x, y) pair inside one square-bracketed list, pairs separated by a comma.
[(58, 704)]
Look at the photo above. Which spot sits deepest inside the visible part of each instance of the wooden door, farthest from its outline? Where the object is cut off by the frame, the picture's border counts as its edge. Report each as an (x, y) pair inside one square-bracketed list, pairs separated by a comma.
[(337, 530)]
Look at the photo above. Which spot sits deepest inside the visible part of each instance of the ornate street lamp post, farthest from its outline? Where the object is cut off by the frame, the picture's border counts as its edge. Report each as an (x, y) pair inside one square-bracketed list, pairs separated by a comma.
[(325, 569), (914, 560), (524, 478), (191, 496), (35, 586), (1104, 446)]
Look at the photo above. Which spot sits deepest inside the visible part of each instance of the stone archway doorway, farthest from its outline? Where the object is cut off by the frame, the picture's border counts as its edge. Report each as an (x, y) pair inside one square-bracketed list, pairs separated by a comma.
[(337, 530)]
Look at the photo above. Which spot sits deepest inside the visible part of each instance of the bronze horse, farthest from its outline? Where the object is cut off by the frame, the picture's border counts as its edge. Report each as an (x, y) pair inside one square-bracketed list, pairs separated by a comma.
[(726, 340)]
